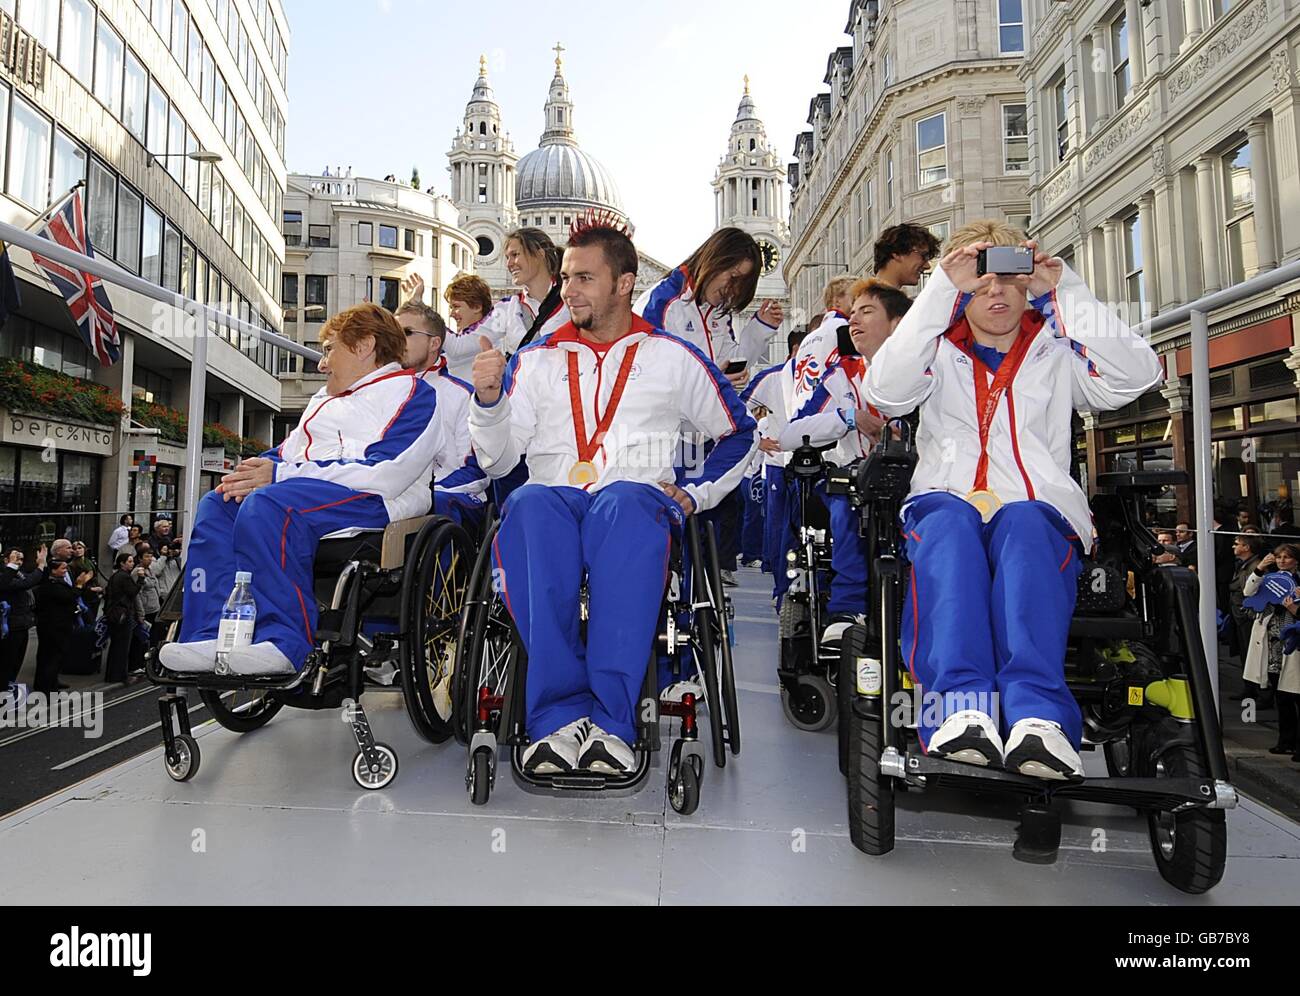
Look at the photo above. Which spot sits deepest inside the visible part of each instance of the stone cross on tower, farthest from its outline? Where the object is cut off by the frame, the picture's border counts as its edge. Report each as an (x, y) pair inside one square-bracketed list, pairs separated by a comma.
[(559, 49)]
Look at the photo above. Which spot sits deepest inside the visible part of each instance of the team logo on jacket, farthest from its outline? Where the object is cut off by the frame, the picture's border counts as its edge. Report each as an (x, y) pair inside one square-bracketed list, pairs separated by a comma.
[(690, 326), (807, 372)]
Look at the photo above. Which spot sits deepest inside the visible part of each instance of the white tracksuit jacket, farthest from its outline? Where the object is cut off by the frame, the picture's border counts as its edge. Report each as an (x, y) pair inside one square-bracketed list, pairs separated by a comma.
[(1083, 357), (505, 325), (822, 419), (815, 355), (453, 467), (773, 388), (671, 305), (671, 383), (380, 436)]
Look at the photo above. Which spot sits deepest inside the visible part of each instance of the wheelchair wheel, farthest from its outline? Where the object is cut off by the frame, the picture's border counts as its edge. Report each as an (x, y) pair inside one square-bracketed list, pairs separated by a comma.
[(708, 631), (730, 715), (379, 776), (433, 597), (812, 706), (1119, 757), (684, 788), (241, 711), (187, 759), (1190, 847), (480, 777), (871, 794), (486, 646)]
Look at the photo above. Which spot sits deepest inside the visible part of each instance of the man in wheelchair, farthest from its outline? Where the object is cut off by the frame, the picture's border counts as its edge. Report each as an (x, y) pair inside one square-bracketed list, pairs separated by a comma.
[(361, 457), (458, 481), (994, 524), (836, 415), (597, 411)]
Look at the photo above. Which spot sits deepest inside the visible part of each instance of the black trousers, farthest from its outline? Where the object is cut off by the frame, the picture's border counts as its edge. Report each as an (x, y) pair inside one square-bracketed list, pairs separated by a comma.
[(50, 648), (13, 648), (1288, 716), (119, 649)]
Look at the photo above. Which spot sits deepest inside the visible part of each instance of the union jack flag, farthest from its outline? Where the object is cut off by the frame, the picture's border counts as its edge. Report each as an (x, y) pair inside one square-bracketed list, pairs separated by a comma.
[(84, 292)]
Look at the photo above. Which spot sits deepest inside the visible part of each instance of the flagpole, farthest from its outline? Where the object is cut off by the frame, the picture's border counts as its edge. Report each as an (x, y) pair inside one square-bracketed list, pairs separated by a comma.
[(55, 205)]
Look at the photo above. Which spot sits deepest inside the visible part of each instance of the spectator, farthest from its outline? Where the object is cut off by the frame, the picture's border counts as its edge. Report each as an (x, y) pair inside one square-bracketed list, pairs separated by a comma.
[(57, 607), (167, 568), (147, 604), (120, 612), (132, 539), (1244, 525), (903, 253), (1165, 538), (1185, 541), (1246, 554), (160, 535), (1266, 665), (16, 591), (118, 536)]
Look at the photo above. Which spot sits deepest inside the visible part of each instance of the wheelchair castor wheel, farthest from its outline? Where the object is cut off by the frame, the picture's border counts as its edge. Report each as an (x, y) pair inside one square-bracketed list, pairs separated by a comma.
[(479, 778), (684, 781), (812, 706), (1038, 837), (186, 765), (379, 771)]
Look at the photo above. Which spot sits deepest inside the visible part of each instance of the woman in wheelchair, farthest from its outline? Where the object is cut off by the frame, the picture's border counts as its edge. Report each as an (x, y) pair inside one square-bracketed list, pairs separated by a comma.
[(361, 456), (837, 414), (597, 412), (994, 522)]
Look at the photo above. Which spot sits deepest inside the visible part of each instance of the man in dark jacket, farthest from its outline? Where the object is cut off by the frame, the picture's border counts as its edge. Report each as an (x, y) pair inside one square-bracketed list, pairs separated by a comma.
[(16, 590), (120, 611), (56, 617)]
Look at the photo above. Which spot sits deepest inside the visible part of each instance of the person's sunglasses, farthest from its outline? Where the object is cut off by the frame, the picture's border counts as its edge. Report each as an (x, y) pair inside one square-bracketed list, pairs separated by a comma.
[(411, 332)]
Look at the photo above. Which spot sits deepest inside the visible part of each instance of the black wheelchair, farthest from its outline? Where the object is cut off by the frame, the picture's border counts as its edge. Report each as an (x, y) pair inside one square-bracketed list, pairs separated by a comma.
[(1135, 664), (694, 634), (808, 671), (387, 598)]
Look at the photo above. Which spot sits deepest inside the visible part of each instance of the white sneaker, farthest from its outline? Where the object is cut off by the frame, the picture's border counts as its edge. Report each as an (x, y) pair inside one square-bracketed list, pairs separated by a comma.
[(189, 658), (1039, 749), (558, 752), (605, 753), (679, 689), (259, 659), (839, 623), (969, 736)]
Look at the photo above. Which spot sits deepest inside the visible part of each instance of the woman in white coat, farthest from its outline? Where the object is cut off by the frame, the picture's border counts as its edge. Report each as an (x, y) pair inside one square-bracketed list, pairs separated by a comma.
[(1266, 664)]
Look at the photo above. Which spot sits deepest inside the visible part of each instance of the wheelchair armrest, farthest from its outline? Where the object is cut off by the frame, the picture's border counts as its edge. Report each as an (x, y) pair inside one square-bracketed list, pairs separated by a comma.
[(1120, 481), (393, 547)]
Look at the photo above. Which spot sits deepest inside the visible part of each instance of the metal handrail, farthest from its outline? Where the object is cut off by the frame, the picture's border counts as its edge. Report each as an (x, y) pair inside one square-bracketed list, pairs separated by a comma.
[(1197, 313)]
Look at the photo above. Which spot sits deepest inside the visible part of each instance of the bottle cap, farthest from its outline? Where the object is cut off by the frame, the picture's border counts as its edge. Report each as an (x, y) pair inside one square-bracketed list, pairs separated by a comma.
[(243, 577)]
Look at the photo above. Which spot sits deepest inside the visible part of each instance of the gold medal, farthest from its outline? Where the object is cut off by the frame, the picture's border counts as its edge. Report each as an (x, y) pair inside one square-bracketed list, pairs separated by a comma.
[(582, 473), (985, 502)]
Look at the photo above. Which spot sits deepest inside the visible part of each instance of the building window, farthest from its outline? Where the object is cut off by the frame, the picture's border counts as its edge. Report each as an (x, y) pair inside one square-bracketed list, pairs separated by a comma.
[(77, 39), (108, 68), (365, 233), (940, 230), (129, 206), (150, 386), (41, 18), (176, 145), (194, 63), (151, 253), (387, 237), (29, 155), (171, 258), (1015, 139), (157, 137), (408, 240), (1243, 255), (315, 301), (101, 198), (318, 236), (370, 289), (889, 68), (1011, 27), (932, 149), (289, 296), (1134, 282), (69, 165), (388, 287), (1061, 106), (134, 97), (889, 181), (1119, 59)]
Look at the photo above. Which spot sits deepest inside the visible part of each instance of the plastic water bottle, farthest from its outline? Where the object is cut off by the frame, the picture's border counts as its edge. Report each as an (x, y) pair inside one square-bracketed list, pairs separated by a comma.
[(237, 620)]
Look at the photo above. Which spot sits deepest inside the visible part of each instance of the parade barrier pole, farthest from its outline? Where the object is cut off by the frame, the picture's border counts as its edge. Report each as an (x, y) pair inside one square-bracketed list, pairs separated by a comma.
[(197, 314)]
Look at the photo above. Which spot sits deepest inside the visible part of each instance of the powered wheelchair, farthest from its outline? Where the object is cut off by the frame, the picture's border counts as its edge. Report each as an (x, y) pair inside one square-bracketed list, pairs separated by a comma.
[(808, 671), (1135, 664), (694, 634), (386, 598)]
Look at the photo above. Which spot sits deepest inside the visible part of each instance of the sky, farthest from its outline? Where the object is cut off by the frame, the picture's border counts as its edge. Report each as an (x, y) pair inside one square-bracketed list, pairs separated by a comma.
[(381, 86)]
